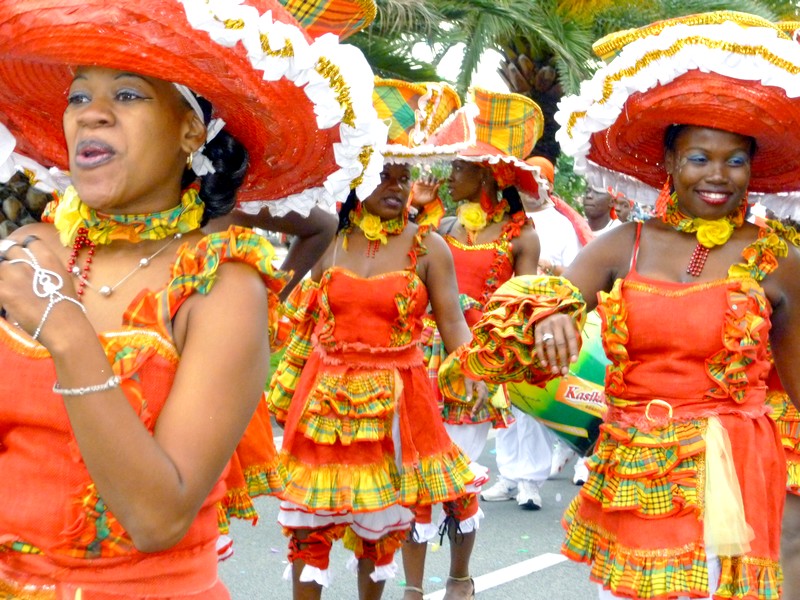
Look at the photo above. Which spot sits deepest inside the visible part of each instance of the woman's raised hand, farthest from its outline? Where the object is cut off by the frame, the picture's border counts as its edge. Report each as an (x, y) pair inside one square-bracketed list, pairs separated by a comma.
[(424, 190), (34, 287), (556, 339)]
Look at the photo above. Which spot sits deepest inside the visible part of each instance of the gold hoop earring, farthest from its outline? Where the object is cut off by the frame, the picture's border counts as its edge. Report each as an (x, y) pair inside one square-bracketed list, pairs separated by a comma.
[(189, 161)]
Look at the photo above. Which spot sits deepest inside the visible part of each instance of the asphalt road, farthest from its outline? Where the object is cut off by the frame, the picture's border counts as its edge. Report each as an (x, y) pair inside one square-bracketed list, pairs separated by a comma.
[(516, 555)]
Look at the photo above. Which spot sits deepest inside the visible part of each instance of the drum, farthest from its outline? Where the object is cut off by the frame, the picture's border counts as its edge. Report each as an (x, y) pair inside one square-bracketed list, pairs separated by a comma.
[(574, 405)]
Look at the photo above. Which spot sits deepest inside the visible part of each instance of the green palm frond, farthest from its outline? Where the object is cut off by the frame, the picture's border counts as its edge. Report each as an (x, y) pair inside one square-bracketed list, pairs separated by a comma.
[(406, 16), (391, 58)]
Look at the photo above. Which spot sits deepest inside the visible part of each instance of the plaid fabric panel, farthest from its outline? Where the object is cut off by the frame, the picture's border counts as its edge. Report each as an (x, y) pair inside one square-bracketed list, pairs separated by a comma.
[(350, 407), (341, 17), (509, 122), (397, 104)]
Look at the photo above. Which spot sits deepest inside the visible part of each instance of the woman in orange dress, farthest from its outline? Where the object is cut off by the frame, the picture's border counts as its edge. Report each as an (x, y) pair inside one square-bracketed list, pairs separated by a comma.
[(686, 486), (135, 374), (490, 240), (363, 443)]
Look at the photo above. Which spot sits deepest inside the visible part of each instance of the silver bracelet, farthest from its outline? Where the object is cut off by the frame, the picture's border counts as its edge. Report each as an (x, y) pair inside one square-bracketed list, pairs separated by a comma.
[(113, 382)]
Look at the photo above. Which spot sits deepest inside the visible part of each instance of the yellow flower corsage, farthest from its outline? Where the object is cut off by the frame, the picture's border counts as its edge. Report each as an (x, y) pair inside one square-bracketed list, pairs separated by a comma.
[(713, 233), (471, 216), (372, 227)]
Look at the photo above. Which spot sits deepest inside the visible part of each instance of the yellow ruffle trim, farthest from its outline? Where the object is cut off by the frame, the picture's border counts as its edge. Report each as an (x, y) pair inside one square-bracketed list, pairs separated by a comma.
[(634, 572), (368, 488), (350, 406), (301, 310), (652, 474), (787, 418), (749, 577), (665, 573)]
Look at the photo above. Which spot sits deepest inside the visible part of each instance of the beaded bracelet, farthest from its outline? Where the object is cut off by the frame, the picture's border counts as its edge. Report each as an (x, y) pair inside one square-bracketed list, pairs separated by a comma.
[(112, 382)]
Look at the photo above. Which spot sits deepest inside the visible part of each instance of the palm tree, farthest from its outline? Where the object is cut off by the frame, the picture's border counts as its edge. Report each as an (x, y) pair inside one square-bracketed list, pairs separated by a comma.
[(545, 44)]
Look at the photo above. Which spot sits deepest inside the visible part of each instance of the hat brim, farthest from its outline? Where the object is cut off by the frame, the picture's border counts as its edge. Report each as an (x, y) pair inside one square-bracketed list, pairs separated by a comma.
[(635, 145), (527, 178), (290, 129)]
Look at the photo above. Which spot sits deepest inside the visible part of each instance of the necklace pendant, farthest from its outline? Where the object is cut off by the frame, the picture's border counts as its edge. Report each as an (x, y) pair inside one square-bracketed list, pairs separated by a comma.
[(698, 260), (144, 262), (105, 291)]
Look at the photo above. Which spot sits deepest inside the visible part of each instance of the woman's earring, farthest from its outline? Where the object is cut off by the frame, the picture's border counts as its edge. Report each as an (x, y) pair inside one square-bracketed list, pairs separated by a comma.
[(189, 161)]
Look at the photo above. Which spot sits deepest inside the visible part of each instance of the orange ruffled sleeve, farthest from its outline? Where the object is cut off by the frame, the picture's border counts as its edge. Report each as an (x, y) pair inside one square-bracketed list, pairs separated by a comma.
[(502, 347), (195, 271)]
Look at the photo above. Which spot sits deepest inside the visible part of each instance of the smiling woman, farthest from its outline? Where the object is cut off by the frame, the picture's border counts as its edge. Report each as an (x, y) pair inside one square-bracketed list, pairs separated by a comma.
[(686, 485)]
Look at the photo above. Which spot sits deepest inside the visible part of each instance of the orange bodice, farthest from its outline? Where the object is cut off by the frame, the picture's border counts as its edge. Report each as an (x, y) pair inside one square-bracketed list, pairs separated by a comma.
[(383, 311)]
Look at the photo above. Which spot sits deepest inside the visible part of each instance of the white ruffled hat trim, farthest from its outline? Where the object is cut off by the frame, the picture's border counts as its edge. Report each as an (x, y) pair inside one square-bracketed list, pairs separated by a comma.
[(46, 180), (592, 113)]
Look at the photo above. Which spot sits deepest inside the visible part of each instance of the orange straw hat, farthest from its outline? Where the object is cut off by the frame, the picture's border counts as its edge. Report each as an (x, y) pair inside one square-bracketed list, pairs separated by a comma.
[(414, 112), (301, 106), (723, 70), (506, 128)]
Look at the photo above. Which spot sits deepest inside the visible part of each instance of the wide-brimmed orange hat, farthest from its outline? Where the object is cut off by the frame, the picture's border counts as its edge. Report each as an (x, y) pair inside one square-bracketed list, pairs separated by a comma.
[(725, 70), (414, 112), (506, 129), (301, 106)]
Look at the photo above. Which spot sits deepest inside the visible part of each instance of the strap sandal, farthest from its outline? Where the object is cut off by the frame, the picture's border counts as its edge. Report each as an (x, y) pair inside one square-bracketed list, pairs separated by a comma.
[(411, 588), (462, 579)]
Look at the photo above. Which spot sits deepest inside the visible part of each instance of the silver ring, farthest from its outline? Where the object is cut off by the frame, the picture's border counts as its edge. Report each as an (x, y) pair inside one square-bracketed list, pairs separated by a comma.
[(546, 337)]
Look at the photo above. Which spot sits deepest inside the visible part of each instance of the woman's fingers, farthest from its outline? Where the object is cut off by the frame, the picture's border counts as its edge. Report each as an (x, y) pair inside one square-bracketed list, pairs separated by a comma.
[(556, 343)]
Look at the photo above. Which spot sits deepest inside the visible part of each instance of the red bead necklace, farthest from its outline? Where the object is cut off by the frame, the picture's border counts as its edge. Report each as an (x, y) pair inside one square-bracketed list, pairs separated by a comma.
[(81, 241)]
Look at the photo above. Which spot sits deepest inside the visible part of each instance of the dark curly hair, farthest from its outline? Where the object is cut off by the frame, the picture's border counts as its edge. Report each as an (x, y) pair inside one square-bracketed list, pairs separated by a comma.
[(347, 208), (511, 195), (230, 160)]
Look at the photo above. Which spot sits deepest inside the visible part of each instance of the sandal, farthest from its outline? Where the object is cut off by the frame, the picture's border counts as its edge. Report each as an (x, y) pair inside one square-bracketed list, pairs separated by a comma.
[(411, 588), (461, 579)]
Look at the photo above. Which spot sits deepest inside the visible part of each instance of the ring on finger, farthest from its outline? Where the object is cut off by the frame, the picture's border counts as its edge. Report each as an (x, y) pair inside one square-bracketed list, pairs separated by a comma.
[(547, 337)]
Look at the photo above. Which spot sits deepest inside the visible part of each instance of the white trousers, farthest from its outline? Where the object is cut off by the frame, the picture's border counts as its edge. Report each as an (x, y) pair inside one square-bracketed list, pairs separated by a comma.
[(524, 449)]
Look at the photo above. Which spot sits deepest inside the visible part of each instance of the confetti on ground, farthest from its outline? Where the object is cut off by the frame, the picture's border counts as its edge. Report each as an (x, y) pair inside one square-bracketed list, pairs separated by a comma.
[(523, 550), (435, 579), (525, 537), (558, 497)]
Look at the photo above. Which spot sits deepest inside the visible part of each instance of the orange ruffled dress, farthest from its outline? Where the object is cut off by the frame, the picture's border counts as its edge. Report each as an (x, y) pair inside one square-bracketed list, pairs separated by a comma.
[(641, 520), (56, 534), (480, 270), (362, 429)]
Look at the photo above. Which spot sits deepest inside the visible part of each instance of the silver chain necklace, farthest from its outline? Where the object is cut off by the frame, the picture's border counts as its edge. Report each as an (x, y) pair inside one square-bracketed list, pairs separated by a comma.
[(106, 290)]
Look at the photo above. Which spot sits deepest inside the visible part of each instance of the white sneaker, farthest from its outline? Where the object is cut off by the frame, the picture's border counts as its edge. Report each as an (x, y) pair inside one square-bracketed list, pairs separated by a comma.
[(529, 496), (503, 489), (561, 456), (581, 475)]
